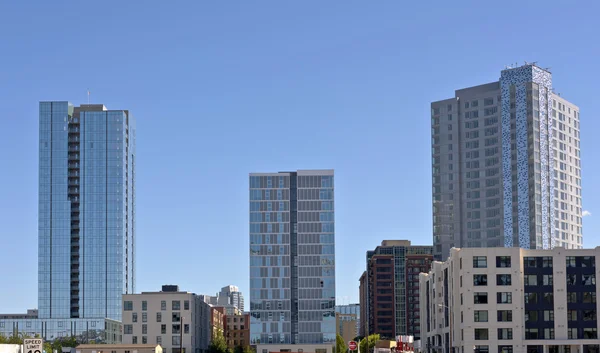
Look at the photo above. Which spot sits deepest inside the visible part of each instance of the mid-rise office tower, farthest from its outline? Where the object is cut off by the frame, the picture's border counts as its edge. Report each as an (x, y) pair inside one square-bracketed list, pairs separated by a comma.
[(292, 261), (86, 210), (506, 165)]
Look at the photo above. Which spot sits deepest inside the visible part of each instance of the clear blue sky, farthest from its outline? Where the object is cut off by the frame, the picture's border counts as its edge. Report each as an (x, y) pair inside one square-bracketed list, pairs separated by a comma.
[(224, 88)]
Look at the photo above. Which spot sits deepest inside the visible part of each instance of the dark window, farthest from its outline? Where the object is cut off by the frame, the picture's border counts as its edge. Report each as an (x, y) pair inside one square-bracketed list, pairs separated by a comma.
[(186, 305), (134, 317), (503, 261), (531, 316), (144, 305), (529, 262), (163, 329), (503, 280), (531, 334), (480, 316), (480, 297), (589, 315), (504, 315), (163, 305), (176, 305), (128, 305), (505, 349), (547, 261), (158, 317), (505, 334), (480, 280), (481, 334), (531, 298)]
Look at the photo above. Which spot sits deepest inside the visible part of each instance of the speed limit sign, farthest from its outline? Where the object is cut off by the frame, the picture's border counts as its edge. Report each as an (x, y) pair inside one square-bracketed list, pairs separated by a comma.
[(33, 345)]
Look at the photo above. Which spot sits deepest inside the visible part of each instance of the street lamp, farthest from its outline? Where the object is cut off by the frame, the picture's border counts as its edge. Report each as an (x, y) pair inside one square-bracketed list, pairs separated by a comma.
[(451, 319)]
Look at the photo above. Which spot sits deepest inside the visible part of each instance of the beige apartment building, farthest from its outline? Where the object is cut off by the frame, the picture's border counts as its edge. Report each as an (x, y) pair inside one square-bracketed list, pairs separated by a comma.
[(171, 318), (506, 167), (509, 300)]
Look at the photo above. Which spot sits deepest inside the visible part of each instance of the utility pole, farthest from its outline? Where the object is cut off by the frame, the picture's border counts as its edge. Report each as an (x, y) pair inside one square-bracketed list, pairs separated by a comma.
[(181, 334)]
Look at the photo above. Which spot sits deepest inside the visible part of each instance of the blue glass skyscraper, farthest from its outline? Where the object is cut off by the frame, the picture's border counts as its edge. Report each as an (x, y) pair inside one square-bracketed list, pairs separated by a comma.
[(292, 261), (86, 210)]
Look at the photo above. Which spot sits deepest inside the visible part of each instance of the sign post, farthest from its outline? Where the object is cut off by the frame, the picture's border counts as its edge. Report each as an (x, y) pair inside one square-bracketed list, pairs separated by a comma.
[(352, 345), (33, 345)]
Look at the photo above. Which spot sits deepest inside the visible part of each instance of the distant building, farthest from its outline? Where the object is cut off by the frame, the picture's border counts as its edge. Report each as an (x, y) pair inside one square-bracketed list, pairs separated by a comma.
[(233, 295), (363, 290), (390, 288), (237, 330), (216, 322), (346, 326), (511, 300), (165, 318), (348, 313)]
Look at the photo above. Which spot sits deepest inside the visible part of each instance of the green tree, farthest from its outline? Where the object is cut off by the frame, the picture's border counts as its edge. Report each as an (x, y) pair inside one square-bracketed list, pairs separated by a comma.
[(238, 349), (340, 345), (372, 340), (47, 347), (249, 349), (3, 339), (218, 345)]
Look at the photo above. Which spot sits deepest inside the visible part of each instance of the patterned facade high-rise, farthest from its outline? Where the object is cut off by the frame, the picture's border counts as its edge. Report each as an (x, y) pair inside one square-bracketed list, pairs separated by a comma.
[(506, 165), (292, 259)]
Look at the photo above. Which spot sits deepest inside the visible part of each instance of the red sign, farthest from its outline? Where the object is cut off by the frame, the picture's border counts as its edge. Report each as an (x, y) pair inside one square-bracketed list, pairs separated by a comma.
[(352, 345)]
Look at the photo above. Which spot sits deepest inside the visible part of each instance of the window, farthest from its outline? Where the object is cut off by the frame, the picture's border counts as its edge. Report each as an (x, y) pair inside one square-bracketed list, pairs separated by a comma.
[(549, 333), (548, 315), (571, 297), (504, 315), (481, 349), (531, 334), (176, 305), (128, 305), (549, 298), (144, 305), (133, 317), (158, 340), (572, 315), (481, 334), (531, 298), (480, 280), (589, 297), (144, 329), (571, 333), (175, 317), (175, 340), (590, 333), (163, 329), (588, 261), (488, 101), (144, 317), (176, 329), (186, 328), (128, 329), (505, 334), (547, 280), (502, 262), (480, 261), (588, 280), (531, 316), (163, 305), (503, 280), (134, 340), (529, 262), (589, 315), (530, 280), (480, 297), (571, 261), (504, 298), (158, 317), (547, 261), (480, 316), (186, 305), (505, 349)]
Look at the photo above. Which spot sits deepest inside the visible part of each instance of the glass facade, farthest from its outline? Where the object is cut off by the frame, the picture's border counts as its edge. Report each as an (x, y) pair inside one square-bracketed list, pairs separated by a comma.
[(86, 330), (292, 258), (86, 211)]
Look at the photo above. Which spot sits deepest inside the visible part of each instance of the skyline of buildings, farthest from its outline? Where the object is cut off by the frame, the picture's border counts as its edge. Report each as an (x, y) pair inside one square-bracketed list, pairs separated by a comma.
[(506, 165), (292, 260)]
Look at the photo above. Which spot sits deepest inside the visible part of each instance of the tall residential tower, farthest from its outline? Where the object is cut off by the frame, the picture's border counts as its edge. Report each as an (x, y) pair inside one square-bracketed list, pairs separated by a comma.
[(86, 234), (292, 261), (506, 165)]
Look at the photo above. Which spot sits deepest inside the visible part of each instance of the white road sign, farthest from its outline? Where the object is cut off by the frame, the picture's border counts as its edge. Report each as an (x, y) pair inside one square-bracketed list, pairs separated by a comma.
[(33, 345)]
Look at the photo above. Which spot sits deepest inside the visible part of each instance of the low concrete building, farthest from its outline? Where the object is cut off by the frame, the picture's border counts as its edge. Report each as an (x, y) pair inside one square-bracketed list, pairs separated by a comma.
[(509, 300), (119, 348), (170, 318)]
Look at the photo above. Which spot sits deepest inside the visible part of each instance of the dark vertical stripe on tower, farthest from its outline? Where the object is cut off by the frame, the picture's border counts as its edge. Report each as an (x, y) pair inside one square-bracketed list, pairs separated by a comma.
[(294, 255)]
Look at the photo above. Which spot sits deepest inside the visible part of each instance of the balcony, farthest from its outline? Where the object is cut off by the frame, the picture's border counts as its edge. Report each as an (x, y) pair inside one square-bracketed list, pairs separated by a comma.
[(74, 157)]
